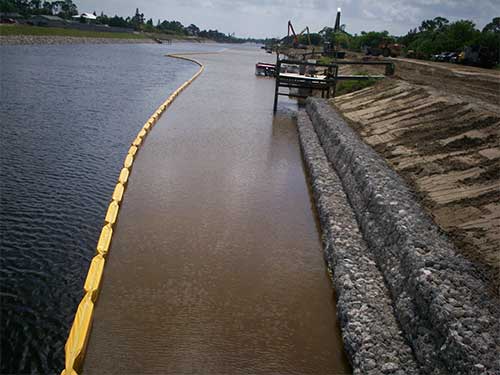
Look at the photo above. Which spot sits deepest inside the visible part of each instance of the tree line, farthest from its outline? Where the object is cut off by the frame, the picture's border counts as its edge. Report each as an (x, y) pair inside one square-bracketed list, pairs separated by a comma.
[(137, 21), (62, 8), (430, 38), (439, 35)]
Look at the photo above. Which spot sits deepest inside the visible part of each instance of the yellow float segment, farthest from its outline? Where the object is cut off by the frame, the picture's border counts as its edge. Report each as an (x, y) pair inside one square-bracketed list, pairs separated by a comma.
[(112, 212), (94, 276), (73, 372), (79, 335), (129, 160), (118, 193), (124, 174), (132, 150), (137, 141), (105, 240)]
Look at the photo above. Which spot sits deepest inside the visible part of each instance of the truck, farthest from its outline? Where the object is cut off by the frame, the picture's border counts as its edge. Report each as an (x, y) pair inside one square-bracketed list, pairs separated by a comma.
[(385, 49)]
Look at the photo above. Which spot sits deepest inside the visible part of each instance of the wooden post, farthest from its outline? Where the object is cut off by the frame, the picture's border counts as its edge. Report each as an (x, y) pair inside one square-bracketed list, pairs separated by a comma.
[(335, 81), (277, 86), (389, 69), (329, 77)]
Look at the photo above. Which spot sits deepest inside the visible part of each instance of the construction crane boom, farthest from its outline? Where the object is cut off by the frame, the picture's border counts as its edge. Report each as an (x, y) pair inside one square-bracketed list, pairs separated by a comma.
[(290, 28), (291, 32), (337, 21), (308, 36)]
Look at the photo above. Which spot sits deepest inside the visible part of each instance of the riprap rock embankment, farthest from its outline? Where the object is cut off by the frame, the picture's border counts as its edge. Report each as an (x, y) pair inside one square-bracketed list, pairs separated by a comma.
[(438, 299)]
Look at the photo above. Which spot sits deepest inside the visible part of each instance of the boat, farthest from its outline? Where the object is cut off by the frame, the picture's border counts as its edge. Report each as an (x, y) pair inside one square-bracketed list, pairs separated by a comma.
[(265, 69)]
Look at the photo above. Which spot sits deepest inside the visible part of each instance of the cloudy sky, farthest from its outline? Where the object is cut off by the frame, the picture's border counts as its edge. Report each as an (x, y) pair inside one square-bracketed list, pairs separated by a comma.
[(268, 18)]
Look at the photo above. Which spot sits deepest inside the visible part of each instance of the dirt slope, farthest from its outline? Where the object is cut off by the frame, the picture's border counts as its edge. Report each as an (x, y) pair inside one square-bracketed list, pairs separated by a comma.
[(445, 142)]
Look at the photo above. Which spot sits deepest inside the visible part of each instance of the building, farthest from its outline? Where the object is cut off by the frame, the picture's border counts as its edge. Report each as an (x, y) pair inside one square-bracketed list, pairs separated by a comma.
[(50, 21), (85, 18)]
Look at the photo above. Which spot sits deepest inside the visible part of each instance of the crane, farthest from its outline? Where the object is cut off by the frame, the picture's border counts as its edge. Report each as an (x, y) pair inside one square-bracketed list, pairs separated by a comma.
[(308, 36), (336, 28), (291, 32)]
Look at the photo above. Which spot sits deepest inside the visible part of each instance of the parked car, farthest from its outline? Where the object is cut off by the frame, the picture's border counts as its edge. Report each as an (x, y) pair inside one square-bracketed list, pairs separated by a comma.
[(446, 57), (452, 57), (8, 20)]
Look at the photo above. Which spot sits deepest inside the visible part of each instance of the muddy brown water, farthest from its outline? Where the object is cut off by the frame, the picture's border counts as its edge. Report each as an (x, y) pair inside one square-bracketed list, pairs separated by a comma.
[(216, 264)]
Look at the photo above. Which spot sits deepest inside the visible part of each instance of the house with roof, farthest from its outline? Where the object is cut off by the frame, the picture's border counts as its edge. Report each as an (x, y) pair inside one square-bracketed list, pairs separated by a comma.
[(85, 17)]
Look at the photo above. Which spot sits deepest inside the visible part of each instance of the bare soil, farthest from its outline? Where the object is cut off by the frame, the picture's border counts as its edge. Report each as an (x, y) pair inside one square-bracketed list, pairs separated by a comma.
[(438, 126)]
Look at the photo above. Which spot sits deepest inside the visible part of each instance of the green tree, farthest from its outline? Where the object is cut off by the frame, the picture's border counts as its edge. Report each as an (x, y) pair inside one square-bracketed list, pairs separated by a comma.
[(35, 4), (172, 26), (316, 39), (193, 30), (137, 20), (7, 6), (436, 24), (68, 8), (343, 40), (371, 39), (493, 26), (47, 7)]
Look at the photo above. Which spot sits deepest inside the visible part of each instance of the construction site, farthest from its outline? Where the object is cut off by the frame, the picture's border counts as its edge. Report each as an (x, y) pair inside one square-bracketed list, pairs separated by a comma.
[(321, 203), (436, 124), (415, 147), (400, 157)]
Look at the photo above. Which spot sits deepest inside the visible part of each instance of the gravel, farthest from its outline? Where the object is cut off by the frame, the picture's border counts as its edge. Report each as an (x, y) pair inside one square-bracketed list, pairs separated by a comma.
[(439, 298)]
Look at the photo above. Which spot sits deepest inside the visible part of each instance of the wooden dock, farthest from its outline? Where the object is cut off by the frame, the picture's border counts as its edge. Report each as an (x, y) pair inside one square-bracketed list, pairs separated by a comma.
[(318, 76)]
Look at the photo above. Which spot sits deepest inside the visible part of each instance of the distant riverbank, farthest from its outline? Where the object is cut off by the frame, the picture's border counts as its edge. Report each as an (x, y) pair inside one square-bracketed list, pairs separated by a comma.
[(59, 39), (23, 34)]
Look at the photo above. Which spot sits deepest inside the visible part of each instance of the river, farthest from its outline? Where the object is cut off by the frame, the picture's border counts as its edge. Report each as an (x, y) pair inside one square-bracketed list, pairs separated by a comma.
[(68, 114), (216, 263)]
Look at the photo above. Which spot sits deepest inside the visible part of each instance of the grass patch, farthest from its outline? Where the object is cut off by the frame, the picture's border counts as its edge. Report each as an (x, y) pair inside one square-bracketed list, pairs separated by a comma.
[(57, 31), (168, 35), (345, 87), (325, 60)]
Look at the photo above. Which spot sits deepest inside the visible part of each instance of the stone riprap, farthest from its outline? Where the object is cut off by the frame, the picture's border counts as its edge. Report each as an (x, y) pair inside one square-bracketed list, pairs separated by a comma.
[(373, 340), (439, 298)]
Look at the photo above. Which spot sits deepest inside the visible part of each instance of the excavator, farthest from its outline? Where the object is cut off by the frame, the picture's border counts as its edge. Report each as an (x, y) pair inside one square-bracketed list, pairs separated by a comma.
[(295, 43)]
